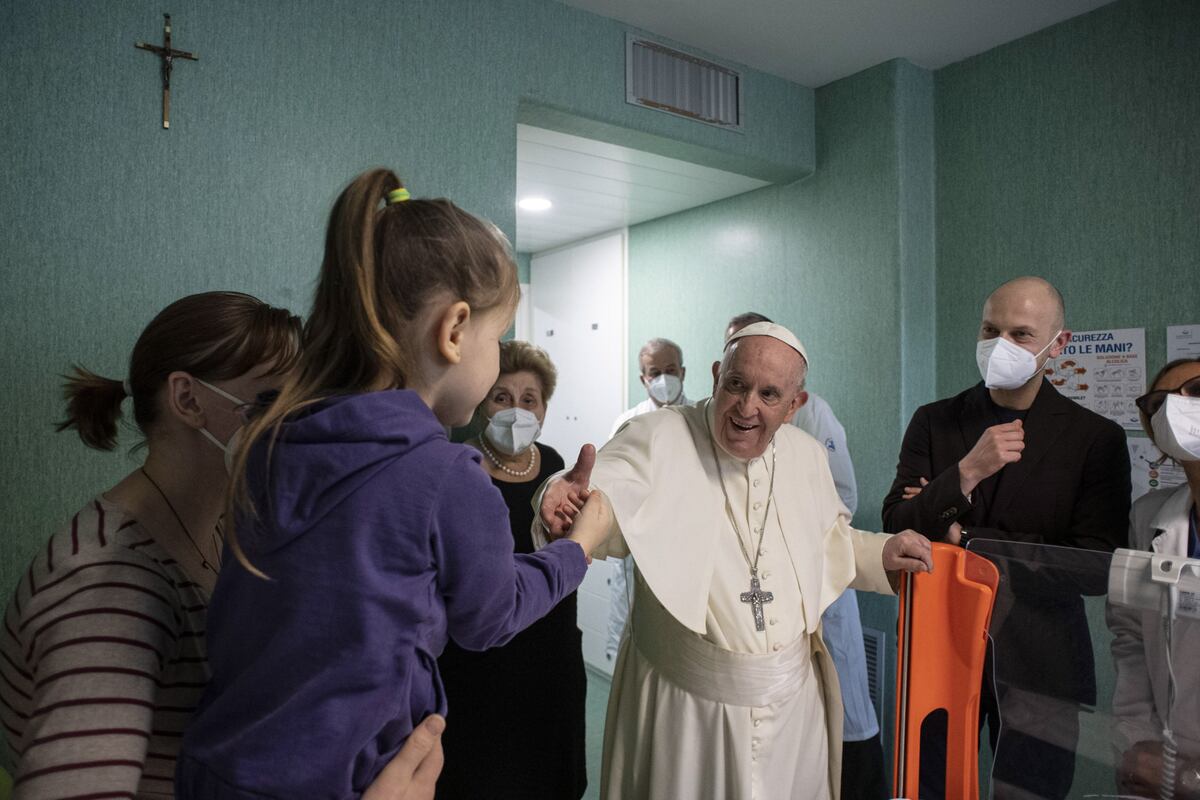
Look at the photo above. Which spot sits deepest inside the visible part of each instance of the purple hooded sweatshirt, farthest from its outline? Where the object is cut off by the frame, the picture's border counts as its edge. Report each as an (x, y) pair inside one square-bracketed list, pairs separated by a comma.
[(381, 539)]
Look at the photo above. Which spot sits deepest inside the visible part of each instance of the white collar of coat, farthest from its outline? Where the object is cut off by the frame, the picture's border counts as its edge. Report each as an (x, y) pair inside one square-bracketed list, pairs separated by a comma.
[(1171, 522)]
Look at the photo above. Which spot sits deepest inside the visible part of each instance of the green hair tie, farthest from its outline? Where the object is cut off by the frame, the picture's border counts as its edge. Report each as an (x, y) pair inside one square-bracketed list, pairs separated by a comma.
[(398, 195)]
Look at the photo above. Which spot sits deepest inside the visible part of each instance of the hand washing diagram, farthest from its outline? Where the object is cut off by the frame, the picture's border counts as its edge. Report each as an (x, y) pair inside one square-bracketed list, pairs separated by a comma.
[(1105, 371)]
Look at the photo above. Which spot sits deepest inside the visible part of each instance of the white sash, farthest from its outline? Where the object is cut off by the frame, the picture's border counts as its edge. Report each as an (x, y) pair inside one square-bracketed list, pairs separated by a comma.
[(701, 668)]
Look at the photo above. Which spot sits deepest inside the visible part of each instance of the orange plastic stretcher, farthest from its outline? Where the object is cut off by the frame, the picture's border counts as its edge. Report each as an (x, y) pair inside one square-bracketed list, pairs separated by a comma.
[(944, 619)]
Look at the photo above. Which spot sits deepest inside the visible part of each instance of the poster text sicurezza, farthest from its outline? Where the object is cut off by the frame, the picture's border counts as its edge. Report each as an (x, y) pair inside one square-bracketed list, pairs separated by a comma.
[(1105, 371)]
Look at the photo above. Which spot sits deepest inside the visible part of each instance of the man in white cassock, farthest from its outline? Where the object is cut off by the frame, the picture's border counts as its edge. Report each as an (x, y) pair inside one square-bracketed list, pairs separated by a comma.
[(723, 689)]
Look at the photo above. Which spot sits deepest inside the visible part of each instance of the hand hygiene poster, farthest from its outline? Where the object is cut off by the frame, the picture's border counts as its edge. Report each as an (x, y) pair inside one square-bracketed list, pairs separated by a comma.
[(1105, 371)]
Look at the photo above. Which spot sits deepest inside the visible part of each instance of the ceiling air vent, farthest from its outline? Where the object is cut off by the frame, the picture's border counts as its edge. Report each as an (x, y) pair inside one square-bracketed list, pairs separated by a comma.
[(665, 79)]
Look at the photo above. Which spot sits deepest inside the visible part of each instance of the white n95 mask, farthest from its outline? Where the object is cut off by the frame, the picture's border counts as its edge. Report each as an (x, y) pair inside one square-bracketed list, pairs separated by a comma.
[(1176, 427), (229, 449), (512, 430), (665, 389), (1003, 365)]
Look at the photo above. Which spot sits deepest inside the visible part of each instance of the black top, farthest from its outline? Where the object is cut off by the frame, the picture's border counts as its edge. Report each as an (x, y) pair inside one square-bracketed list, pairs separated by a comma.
[(1005, 415), (1070, 488), (515, 727)]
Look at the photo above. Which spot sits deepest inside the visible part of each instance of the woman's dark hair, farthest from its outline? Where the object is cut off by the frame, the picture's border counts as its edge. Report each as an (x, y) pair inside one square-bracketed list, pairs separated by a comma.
[(213, 336)]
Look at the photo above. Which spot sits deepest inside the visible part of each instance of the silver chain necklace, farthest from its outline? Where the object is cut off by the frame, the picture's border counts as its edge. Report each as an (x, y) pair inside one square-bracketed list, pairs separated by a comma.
[(203, 558), (756, 597), (495, 460)]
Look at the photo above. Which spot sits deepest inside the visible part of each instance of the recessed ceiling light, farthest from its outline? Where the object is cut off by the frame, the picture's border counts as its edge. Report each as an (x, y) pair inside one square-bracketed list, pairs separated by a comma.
[(534, 204)]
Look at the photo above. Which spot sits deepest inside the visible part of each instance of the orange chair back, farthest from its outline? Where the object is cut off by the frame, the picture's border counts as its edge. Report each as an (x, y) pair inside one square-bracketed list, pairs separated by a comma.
[(944, 619)]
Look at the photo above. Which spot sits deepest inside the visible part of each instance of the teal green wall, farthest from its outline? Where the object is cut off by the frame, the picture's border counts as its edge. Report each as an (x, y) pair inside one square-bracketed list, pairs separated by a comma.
[(523, 263), (1074, 154), (108, 217)]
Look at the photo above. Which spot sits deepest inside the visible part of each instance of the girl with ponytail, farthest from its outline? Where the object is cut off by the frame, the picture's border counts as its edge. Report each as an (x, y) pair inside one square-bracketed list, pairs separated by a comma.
[(364, 538)]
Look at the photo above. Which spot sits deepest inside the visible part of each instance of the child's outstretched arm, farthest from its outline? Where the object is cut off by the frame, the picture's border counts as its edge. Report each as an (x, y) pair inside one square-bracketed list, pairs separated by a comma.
[(489, 593)]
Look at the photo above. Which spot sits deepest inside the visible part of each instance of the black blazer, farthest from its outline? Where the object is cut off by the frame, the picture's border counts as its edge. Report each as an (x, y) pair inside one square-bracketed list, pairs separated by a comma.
[(1071, 489)]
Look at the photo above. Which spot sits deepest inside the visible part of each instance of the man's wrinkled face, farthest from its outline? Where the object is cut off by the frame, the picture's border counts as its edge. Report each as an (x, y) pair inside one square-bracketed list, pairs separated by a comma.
[(757, 389)]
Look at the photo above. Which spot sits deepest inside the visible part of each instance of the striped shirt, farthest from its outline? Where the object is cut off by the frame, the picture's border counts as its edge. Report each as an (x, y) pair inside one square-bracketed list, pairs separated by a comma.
[(102, 662)]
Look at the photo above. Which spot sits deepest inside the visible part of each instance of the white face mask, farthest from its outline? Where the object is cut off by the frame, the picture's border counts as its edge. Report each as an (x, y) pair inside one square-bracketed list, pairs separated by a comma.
[(1176, 427), (665, 389), (512, 430), (1003, 365), (229, 448)]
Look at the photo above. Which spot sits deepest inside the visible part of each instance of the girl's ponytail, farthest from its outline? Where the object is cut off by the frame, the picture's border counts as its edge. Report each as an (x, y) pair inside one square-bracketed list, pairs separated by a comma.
[(348, 289)]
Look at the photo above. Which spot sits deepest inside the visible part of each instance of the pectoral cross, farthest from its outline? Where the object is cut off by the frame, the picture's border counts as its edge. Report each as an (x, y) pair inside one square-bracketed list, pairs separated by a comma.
[(756, 597), (168, 57)]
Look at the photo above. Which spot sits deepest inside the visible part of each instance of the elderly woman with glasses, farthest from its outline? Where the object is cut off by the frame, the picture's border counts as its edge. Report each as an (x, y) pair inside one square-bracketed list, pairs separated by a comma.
[(1164, 522), (517, 722)]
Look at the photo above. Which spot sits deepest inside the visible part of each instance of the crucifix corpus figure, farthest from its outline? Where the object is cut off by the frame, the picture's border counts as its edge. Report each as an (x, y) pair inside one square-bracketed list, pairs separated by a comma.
[(168, 56), (712, 700)]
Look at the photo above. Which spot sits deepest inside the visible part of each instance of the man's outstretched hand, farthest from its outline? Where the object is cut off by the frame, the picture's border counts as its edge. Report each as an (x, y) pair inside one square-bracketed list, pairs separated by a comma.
[(565, 495)]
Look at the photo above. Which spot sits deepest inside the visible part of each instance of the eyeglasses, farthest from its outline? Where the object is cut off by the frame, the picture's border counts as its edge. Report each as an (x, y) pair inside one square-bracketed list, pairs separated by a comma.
[(1151, 402), (251, 411)]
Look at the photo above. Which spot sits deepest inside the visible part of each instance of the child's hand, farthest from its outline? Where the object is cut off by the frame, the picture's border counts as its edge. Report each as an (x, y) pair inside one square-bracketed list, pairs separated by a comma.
[(591, 525)]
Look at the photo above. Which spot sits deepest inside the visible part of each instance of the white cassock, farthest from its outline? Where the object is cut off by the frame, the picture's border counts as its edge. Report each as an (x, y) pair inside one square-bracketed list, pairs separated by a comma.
[(703, 705)]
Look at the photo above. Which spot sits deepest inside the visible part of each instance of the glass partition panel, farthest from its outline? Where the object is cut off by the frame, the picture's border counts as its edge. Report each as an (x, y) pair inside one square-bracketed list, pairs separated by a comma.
[(1078, 700)]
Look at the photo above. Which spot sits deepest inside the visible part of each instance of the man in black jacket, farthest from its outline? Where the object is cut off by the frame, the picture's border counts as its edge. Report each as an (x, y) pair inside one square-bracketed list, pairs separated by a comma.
[(1011, 459)]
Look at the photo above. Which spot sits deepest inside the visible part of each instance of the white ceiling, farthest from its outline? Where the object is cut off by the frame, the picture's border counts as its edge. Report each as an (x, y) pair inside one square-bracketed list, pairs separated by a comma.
[(813, 42), (597, 187)]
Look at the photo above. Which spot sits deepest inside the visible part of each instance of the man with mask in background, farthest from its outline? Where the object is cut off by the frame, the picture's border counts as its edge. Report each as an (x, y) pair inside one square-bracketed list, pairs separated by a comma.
[(1012, 459), (661, 364)]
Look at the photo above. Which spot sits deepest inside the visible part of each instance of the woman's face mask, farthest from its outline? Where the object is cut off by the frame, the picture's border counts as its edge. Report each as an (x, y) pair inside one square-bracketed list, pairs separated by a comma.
[(665, 389), (229, 448), (512, 430), (1003, 365), (1176, 427)]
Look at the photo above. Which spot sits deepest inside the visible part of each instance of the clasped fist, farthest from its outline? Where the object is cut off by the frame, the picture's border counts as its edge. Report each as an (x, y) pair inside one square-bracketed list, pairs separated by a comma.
[(999, 445), (908, 551)]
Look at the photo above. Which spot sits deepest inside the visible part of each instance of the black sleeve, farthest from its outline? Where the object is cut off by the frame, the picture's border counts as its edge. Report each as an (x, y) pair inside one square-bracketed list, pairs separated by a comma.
[(939, 504), (1099, 518), (552, 460)]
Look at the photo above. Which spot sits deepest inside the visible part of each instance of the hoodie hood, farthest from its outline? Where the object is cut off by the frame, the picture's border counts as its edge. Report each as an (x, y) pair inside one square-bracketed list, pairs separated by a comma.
[(324, 454)]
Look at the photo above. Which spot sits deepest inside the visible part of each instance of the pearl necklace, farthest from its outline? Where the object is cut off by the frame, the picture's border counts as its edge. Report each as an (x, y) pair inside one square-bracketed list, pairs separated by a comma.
[(495, 460)]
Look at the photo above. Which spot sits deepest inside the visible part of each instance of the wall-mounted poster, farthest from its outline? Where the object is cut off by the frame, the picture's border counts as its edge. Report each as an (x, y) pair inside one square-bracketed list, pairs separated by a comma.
[(1150, 470), (1105, 371), (1183, 341)]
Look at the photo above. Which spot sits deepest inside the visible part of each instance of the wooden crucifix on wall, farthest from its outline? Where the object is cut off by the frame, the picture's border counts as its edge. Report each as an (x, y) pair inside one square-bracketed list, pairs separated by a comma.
[(168, 56)]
